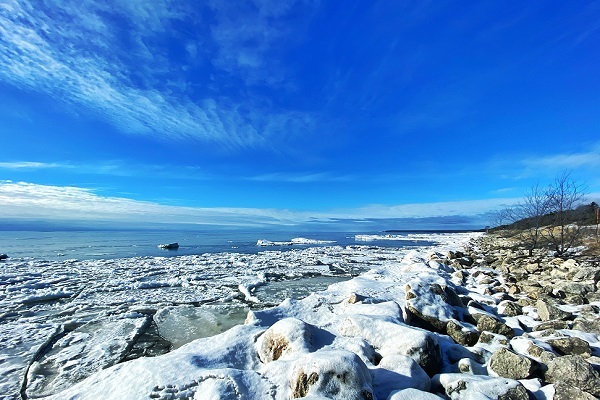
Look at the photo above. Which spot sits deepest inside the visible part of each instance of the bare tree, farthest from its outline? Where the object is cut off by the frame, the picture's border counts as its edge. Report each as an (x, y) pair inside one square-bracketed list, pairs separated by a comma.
[(531, 210), (564, 196), (527, 217)]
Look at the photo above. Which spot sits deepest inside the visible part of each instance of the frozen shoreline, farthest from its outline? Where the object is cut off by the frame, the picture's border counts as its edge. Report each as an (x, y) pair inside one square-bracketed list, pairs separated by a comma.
[(96, 313), (412, 326)]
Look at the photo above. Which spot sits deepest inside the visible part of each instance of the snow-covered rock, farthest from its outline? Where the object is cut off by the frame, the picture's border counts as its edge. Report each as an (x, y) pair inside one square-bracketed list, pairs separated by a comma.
[(286, 338), (464, 386)]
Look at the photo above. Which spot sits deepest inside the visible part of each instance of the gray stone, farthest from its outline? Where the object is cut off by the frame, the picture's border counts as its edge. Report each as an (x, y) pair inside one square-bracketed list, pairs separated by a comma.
[(554, 324), (465, 386), (564, 391), (508, 364), (491, 324), (462, 333), (333, 374), (587, 325), (570, 346), (539, 353), (548, 312), (577, 288), (587, 274), (510, 308), (574, 371)]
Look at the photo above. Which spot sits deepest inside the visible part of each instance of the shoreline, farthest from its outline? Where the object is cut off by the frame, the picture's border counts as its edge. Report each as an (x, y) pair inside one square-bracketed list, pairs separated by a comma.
[(439, 323)]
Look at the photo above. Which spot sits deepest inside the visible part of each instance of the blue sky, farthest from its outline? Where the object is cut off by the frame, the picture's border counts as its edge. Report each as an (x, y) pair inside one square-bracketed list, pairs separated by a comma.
[(409, 113)]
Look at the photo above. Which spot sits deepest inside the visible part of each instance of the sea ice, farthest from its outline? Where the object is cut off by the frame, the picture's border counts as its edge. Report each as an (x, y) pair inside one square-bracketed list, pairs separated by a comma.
[(351, 341)]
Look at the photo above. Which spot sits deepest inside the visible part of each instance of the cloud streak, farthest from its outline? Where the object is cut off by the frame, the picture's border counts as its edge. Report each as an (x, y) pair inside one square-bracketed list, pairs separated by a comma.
[(589, 159), (16, 165), (82, 58), (22, 201)]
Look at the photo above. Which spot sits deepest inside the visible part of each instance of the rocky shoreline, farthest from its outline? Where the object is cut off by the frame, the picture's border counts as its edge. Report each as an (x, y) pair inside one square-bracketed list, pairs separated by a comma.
[(556, 301), (471, 321)]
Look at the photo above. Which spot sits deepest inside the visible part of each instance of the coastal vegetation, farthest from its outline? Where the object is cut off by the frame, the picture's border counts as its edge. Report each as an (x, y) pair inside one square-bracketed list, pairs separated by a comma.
[(554, 217)]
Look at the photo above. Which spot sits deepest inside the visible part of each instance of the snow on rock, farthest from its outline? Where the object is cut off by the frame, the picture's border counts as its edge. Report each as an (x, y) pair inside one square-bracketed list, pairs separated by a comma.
[(287, 337), (464, 386), (396, 372), (334, 374), (412, 394), (390, 339), (429, 299), (221, 365)]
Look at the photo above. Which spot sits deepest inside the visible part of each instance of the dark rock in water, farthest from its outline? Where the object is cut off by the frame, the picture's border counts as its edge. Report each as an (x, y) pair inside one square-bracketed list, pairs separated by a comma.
[(508, 364), (3, 256), (169, 246), (574, 371)]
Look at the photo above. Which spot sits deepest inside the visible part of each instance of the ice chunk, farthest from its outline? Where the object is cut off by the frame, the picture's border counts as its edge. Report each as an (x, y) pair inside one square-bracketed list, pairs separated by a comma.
[(182, 324)]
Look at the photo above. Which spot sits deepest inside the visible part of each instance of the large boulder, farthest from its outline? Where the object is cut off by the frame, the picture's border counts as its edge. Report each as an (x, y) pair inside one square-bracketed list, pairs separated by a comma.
[(462, 333), (571, 345), (587, 275), (396, 372), (431, 303), (463, 386), (287, 337), (488, 323), (574, 371), (508, 364), (564, 391), (335, 374), (509, 308), (395, 338), (548, 311)]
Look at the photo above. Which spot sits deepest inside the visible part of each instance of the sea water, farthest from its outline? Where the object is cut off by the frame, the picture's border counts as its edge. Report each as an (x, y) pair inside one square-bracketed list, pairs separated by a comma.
[(94, 245)]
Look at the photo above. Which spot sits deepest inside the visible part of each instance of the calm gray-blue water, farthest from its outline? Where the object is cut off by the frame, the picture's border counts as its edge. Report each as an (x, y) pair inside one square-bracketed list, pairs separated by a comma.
[(84, 245)]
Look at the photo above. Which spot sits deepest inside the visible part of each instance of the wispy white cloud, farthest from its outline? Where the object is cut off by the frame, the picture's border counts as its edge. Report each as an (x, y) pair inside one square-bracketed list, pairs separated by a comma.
[(30, 165), (300, 177), (113, 168), (76, 53), (22, 200), (568, 160)]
